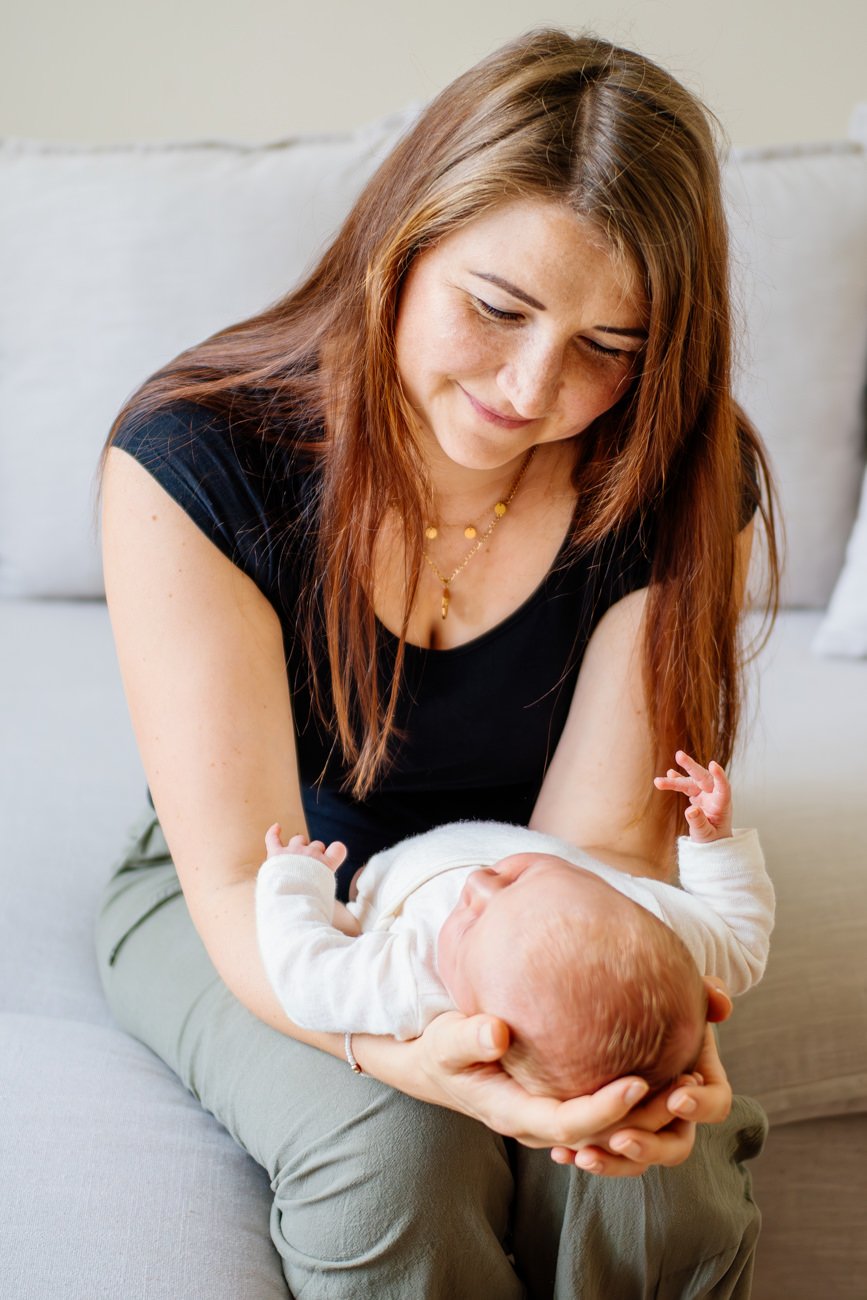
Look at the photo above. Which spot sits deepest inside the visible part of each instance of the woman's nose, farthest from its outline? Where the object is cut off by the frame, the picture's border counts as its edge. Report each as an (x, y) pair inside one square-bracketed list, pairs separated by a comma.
[(531, 380)]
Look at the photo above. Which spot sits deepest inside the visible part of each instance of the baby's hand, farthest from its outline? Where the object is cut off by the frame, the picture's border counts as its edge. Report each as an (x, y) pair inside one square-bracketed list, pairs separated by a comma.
[(330, 857), (709, 815)]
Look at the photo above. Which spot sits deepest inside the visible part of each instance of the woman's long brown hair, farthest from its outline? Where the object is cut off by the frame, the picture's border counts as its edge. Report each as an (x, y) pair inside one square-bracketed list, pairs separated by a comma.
[(625, 146)]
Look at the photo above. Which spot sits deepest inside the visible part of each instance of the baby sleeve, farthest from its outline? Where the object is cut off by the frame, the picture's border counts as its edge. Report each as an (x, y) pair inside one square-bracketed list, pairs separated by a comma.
[(374, 983)]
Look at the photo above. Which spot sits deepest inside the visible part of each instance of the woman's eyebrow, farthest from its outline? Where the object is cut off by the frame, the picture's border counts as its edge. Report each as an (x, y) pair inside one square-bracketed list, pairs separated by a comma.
[(510, 288), (624, 330)]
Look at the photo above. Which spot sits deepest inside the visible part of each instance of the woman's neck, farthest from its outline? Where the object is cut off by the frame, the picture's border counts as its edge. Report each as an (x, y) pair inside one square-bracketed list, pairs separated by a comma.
[(460, 494), (498, 577)]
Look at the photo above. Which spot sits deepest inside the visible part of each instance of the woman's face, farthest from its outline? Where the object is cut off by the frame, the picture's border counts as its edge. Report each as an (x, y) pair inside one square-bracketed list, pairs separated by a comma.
[(517, 330)]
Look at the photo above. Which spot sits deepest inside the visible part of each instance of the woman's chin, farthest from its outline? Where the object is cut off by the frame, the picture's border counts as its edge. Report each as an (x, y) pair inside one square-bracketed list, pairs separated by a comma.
[(479, 452)]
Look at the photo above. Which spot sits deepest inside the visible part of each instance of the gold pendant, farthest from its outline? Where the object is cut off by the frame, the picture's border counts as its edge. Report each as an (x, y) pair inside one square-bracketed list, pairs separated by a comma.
[(445, 602)]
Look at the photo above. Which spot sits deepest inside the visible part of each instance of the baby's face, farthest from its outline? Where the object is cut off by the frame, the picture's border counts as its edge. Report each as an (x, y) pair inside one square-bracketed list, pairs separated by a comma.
[(478, 938)]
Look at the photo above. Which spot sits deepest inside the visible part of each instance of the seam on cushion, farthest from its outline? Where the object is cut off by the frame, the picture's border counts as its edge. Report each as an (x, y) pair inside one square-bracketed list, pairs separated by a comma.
[(385, 126), (846, 1095)]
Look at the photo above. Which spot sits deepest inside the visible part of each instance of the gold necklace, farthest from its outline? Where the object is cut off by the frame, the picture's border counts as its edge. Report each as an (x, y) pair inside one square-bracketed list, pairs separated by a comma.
[(500, 509)]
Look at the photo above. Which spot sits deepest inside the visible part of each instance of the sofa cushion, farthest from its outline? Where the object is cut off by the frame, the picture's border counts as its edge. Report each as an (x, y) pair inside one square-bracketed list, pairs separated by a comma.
[(70, 785), (116, 1182), (797, 1042), (858, 124), (112, 261), (843, 630), (799, 242), (810, 1183)]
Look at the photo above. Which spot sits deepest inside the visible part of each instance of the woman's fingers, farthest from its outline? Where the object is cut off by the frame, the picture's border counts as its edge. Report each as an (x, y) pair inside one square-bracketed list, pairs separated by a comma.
[(586, 1116), (632, 1151), (704, 1096), (636, 1147), (711, 1101), (462, 1061), (460, 1041)]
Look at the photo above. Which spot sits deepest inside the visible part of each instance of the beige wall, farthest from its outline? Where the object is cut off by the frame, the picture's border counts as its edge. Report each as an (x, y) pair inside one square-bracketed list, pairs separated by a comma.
[(112, 70)]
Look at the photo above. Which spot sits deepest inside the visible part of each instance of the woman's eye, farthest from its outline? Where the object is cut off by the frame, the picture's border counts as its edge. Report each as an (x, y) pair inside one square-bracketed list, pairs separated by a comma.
[(613, 354), (494, 312)]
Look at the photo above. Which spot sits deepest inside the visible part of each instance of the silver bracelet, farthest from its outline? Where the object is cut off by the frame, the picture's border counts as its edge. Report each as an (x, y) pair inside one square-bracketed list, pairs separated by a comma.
[(350, 1055)]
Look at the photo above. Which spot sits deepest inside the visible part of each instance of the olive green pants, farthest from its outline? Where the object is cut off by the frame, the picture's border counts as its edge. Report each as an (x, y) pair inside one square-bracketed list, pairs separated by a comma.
[(381, 1196)]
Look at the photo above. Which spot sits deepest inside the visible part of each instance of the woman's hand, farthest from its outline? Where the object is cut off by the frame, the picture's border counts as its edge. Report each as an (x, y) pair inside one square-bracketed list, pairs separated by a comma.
[(459, 1059), (456, 1063), (662, 1131)]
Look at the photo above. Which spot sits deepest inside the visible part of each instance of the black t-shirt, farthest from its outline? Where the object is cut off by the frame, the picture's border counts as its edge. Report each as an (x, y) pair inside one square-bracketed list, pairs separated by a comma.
[(480, 722)]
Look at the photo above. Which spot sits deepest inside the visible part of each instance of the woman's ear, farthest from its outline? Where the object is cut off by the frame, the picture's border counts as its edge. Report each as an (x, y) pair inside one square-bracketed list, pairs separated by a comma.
[(719, 1004)]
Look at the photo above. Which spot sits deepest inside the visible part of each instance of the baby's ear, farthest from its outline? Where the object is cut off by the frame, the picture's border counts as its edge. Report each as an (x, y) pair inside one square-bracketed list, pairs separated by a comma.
[(719, 1004)]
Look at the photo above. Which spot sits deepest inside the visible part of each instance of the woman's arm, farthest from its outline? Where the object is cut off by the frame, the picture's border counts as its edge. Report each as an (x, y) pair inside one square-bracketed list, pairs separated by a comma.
[(595, 793), (596, 789), (201, 657), (202, 660)]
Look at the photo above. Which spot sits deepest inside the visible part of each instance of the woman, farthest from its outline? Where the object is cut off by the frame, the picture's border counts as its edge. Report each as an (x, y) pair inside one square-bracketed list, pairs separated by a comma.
[(448, 531)]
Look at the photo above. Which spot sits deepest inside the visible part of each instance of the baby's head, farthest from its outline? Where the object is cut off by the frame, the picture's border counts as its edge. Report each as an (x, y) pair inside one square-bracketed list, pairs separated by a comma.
[(592, 985)]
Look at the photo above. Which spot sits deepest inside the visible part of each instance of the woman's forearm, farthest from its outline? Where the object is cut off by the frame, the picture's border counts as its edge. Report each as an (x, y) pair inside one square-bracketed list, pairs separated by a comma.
[(226, 922), (225, 919)]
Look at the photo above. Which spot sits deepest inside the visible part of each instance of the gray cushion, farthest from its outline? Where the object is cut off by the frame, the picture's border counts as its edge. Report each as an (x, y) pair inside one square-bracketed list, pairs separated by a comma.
[(811, 1185), (798, 1041), (116, 1182), (70, 784)]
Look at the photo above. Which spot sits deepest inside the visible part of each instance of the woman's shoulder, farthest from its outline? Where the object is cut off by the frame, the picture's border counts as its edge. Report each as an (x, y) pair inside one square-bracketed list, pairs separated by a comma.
[(243, 482), (186, 433)]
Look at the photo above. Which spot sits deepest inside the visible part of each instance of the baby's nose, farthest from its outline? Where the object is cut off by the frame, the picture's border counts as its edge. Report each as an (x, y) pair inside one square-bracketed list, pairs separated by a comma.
[(480, 885)]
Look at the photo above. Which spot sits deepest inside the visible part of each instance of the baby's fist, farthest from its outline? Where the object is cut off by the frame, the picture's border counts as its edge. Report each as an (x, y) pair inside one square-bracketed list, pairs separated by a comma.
[(330, 857)]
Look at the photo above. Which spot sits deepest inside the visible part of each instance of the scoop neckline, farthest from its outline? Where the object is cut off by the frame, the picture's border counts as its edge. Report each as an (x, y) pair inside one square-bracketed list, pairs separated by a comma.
[(497, 629)]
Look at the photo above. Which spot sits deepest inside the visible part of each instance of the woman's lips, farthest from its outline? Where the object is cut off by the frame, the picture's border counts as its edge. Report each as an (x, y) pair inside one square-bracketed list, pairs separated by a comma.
[(494, 417)]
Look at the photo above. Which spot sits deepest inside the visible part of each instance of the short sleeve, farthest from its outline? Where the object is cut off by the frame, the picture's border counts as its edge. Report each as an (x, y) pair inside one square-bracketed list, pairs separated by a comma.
[(236, 488)]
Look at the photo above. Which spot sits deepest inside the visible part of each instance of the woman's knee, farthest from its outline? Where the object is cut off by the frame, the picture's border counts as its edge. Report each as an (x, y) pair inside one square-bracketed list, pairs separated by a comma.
[(379, 1141), (395, 1198), (684, 1232)]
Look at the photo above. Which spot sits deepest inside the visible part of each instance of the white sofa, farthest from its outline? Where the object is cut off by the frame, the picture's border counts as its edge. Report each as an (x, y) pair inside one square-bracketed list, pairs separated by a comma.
[(115, 1182)]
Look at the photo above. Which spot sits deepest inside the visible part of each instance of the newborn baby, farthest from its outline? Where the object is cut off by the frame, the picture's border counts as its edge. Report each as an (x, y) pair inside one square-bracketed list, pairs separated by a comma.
[(597, 973)]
